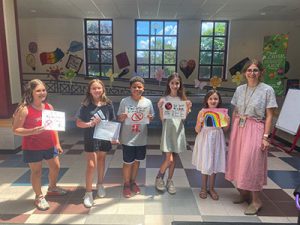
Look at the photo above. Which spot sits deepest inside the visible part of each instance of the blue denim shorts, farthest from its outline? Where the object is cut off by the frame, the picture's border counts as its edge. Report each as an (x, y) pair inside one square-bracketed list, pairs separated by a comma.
[(31, 156), (133, 153)]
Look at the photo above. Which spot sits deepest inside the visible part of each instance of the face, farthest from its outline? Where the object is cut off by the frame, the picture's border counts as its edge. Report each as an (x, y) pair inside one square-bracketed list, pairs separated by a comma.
[(39, 93), (137, 89), (174, 84), (213, 101), (252, 73), (96, 90)]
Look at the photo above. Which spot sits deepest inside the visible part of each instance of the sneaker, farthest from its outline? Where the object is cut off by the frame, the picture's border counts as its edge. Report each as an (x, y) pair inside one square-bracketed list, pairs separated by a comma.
[(101, 191), (170, 187), (56, 191), (88, 200), (41, 203), (135, 188), (126, 191), (160, 184)]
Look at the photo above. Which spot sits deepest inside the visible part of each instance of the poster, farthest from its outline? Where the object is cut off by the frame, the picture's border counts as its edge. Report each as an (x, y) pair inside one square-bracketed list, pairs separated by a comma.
[(174, 109), (107, 130), (53, 120), (274, 57), (215, 117), (137, 115)]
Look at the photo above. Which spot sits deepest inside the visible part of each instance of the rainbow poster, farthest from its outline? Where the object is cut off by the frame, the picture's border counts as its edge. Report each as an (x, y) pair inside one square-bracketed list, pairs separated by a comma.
[(51, 57), (215, 117)]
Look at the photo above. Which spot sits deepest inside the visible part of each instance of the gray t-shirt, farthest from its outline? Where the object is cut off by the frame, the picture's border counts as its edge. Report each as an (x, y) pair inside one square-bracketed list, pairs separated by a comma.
[(136, 134), (253, 101)]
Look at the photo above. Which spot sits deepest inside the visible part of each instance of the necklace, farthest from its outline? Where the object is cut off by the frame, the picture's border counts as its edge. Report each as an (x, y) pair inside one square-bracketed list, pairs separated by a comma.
[(243, 117)]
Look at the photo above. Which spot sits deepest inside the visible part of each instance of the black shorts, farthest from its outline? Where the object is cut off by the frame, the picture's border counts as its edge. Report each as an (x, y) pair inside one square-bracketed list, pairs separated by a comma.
[(97, 145), (133, 153), (31, 156)]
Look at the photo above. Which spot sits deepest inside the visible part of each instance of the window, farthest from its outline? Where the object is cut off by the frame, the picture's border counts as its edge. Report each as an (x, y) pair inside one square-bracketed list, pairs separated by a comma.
[(213, 49), (99, 46), (156, 46)]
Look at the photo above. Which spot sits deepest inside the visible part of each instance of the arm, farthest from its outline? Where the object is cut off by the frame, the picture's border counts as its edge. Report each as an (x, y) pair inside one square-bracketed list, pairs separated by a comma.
[(18, 124), (188, 107), (160, 105), (228, 123), (199, 122), (268, 124)]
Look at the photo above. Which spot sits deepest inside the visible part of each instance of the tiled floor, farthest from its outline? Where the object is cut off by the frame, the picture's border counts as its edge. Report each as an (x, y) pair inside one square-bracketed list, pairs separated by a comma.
[(151, 207)]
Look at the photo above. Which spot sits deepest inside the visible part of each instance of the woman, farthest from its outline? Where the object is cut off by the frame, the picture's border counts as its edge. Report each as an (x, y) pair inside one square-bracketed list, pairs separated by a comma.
[(252, 119)]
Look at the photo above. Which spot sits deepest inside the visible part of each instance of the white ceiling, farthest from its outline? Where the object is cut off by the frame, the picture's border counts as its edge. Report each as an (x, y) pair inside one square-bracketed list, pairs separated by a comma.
[(162, 9)]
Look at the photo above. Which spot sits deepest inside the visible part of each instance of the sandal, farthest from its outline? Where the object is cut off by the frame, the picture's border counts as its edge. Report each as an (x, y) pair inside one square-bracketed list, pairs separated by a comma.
[(203, 194), (213, 194), (252, 210)]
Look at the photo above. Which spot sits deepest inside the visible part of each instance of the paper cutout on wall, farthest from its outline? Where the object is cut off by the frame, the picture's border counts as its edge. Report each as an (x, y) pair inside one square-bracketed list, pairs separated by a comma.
[(215, 82), (159, 75), (122, 60), (55, 71), (237, 78), (32, 47), (111, 76), (200, 84), (30, 61), (123, 72), (70, 74), (187, 67), (215, 117), (75, 46), (239, 66), (74, 63), (51, 57)]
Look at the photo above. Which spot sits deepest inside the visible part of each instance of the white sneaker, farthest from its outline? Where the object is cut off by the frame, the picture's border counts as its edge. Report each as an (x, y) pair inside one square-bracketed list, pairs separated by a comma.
[(170, 187), (101, 191), (160, 184), (88, 200)]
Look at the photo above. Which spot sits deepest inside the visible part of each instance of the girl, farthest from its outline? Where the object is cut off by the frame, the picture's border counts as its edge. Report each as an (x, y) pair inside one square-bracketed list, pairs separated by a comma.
[(38, 143), (95, 107), (173, 139), (209, 148)]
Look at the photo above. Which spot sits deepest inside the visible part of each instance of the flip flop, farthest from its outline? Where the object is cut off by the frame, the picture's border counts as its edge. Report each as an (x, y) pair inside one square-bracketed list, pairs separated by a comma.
[(203, 194), (213, 194)]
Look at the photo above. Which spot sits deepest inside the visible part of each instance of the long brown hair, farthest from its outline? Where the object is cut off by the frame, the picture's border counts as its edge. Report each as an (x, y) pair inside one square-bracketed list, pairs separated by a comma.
[(89, 98), (210, 93), (27, 97), (181, 90)]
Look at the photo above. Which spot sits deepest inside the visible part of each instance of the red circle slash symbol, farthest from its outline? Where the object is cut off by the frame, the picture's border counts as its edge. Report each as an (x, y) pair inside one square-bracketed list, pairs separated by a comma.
[(137, 116)]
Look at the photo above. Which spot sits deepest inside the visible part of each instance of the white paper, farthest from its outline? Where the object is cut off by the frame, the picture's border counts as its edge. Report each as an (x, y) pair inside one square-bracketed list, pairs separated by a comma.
[(137, 115), (107, 130), (53, 120), (174, 109)]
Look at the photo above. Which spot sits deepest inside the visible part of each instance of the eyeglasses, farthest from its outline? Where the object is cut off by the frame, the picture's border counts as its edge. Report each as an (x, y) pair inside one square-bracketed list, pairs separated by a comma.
[(252, 71)]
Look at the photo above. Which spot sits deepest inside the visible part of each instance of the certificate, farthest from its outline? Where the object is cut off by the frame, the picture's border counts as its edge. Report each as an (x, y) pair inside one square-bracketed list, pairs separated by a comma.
[(53, 120), (174, 109), (107, 130), (137, 115)]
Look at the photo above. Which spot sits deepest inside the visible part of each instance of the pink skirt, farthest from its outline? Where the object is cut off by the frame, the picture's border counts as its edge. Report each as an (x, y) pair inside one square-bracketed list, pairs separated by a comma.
[(246, 162)]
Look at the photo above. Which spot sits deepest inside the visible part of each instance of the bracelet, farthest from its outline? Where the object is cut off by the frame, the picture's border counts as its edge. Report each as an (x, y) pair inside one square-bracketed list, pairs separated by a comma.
[(266, 139)]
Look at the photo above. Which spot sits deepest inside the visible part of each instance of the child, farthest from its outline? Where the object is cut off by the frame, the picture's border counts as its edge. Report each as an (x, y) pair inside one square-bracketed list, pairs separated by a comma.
[(38, 143), (95, 107), (133, 136), (173, 139), (209, 148)]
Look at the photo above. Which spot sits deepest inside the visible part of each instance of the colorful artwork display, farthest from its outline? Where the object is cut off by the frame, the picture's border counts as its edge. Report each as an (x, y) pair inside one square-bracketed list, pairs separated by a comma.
[(137, 115), (51, 57), (274, 61), (215, 117), (122, 60), (74, 63), (53, 120), (75, 46), (30, 61), (187, 67)]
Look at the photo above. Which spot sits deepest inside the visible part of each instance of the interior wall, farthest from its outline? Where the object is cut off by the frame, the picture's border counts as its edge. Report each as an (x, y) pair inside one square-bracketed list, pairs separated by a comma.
[(245, 40)]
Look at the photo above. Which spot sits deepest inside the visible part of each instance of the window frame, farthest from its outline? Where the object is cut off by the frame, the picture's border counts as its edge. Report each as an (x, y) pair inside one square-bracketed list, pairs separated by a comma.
[(100, 49), (225, 51), (149, 50)]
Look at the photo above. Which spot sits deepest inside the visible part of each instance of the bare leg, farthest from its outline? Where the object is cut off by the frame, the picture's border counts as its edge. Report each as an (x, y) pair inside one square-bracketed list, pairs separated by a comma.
[(255, 199), (54, 166), (171, 165), (101, 166), (214, 195), (35, 177), (135, 169), (91, 158), (166, 163), (203, 192), (127, 172)]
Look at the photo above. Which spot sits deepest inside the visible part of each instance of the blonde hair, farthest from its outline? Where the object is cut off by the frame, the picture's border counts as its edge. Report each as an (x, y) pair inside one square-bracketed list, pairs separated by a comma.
[(89, 98)]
